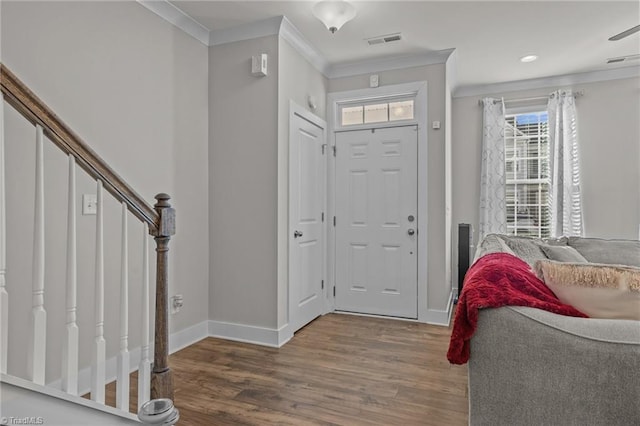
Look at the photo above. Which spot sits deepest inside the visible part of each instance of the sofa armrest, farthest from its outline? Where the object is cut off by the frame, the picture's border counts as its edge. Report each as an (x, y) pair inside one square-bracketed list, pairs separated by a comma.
[(529, 366)]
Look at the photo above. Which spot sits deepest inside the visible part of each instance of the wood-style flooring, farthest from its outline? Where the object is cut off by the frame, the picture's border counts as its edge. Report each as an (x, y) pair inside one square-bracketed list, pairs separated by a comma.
[(338, 370)]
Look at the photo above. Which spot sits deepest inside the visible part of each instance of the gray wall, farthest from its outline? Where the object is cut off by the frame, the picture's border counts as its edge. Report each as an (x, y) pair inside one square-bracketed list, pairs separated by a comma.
[(249, 181), (136, 89), (438, 287), (243, 178), (609, 153)]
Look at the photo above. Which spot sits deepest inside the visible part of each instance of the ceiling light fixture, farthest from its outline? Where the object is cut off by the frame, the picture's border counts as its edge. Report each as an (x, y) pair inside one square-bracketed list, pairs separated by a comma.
[(334, 13), (528, 58)]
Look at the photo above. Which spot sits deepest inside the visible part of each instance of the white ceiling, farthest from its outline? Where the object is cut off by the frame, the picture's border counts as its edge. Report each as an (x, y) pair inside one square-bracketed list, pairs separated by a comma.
[(489, 37)]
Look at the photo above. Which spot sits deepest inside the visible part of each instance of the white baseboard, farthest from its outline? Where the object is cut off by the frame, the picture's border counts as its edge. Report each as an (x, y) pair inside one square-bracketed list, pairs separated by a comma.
[(183, 338), (178, 340), (263, 336), (271, 337), (188, 336), (440, 317)]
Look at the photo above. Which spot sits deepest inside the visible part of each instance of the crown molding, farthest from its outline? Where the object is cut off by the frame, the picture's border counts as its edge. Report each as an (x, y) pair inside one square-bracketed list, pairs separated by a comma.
[(389, 63), (280, 25), (174, 15), (553, 81), (451, 71), (290, 33), (262, 28)]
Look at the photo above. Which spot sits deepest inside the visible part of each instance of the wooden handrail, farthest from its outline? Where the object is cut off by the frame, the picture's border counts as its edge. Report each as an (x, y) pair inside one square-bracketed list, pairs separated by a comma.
[(18, 95)]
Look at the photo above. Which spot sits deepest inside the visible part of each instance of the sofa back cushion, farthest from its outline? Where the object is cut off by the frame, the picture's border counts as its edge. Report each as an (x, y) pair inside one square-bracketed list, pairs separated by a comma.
[(492, 243), (563, 253), (527, 249), (616, 252), (598, 290)]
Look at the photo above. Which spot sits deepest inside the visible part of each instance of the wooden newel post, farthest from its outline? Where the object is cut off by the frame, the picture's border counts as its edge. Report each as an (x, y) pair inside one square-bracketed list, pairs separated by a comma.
[(161, 378)]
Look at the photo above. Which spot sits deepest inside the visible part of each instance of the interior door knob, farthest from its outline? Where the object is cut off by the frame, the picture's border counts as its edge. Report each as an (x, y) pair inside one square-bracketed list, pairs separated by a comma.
[(297, 234), (411, 231)]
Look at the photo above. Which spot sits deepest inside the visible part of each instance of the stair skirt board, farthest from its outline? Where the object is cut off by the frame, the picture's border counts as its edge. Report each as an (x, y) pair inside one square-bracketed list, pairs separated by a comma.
[(56, 393)]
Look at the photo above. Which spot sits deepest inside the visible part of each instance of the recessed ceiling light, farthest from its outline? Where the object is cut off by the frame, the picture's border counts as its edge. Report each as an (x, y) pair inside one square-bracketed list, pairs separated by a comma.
[(529, 58)]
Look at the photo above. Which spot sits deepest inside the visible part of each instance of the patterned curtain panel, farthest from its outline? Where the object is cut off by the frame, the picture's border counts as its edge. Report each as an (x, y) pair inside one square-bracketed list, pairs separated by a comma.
[(493, 214), (565, 199)]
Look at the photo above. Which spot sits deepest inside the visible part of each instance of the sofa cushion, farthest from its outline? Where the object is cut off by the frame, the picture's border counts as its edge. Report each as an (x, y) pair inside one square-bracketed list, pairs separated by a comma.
[(527, 249), (491, 243), (598, 290), (562, 253), (560, 241), (597, 250)]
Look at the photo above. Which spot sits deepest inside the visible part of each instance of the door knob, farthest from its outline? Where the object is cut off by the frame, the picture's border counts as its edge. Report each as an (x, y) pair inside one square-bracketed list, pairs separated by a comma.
[(411, 231), (297, 234)]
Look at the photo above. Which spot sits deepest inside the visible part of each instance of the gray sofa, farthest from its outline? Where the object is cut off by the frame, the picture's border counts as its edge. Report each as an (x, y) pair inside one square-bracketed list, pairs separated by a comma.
[(533, 367)]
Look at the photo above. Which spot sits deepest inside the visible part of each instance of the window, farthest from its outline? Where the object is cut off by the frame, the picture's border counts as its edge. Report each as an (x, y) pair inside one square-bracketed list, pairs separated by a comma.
[(527, 173), (377, 112)]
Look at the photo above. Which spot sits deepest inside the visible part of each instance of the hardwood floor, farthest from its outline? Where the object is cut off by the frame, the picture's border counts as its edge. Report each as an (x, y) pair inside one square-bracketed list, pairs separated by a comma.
[(339, 370)]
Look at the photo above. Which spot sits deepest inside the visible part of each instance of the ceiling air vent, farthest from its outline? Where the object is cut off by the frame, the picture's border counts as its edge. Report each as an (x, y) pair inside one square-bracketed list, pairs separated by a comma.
[(384, 39), (622, 59)]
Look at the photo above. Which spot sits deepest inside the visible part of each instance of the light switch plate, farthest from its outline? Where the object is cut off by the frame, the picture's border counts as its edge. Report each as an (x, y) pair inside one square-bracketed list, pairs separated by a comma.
[(89, 204)]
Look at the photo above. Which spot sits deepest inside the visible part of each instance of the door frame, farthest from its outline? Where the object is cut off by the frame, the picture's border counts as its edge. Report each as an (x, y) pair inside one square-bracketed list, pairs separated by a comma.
[(418, 91), (296, 110)]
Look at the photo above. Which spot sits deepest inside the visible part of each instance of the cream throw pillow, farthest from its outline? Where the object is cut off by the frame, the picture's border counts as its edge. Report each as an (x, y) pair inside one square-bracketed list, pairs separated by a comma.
[(597, 290)]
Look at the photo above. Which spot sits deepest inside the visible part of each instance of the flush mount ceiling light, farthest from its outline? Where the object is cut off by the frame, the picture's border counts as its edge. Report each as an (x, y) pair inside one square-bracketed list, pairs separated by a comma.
[(334, 13), (528, 58)]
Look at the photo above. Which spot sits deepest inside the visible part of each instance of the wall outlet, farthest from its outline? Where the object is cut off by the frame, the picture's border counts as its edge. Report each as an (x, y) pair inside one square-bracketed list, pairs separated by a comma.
[(176, 303)]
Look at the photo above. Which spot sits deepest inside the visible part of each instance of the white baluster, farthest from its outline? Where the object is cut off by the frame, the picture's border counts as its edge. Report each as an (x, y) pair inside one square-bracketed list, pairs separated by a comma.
[(38, 342), (144, 370), (4, 296), (122, 383), (99, 350), (70, 347)]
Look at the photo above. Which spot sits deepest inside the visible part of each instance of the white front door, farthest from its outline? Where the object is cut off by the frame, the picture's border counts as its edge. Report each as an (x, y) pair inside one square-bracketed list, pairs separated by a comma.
[(376, 221), (307, 166)]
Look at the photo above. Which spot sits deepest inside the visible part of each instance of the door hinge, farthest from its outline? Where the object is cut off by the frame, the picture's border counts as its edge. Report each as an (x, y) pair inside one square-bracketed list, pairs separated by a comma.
[(323, 147), (334, 150), (323, 216), (334, 291), (322, 285), (334, 221)]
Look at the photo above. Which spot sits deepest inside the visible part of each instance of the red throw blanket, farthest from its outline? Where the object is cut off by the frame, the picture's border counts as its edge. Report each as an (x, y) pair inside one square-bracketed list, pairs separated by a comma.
[(498, 279)]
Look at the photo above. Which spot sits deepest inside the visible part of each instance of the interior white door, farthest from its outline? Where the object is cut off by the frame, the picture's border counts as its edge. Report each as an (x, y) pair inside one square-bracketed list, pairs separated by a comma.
[(306, 228), (376, 221)]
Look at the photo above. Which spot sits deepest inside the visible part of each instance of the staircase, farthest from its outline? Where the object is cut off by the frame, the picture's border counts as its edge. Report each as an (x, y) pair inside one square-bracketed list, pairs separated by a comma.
[(157, 222)]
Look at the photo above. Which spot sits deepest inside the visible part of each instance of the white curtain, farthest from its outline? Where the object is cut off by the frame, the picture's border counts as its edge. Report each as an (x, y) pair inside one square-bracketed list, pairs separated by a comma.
[(493, 215), (565, 199)]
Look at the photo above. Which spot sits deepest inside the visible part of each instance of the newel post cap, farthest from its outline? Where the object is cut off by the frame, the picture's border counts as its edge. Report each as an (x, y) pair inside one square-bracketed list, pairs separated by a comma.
[(167, 225), (162, 200)]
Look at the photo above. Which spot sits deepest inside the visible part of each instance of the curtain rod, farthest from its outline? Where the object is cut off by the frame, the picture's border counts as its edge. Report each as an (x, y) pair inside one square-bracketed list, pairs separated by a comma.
[(534, 98)]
